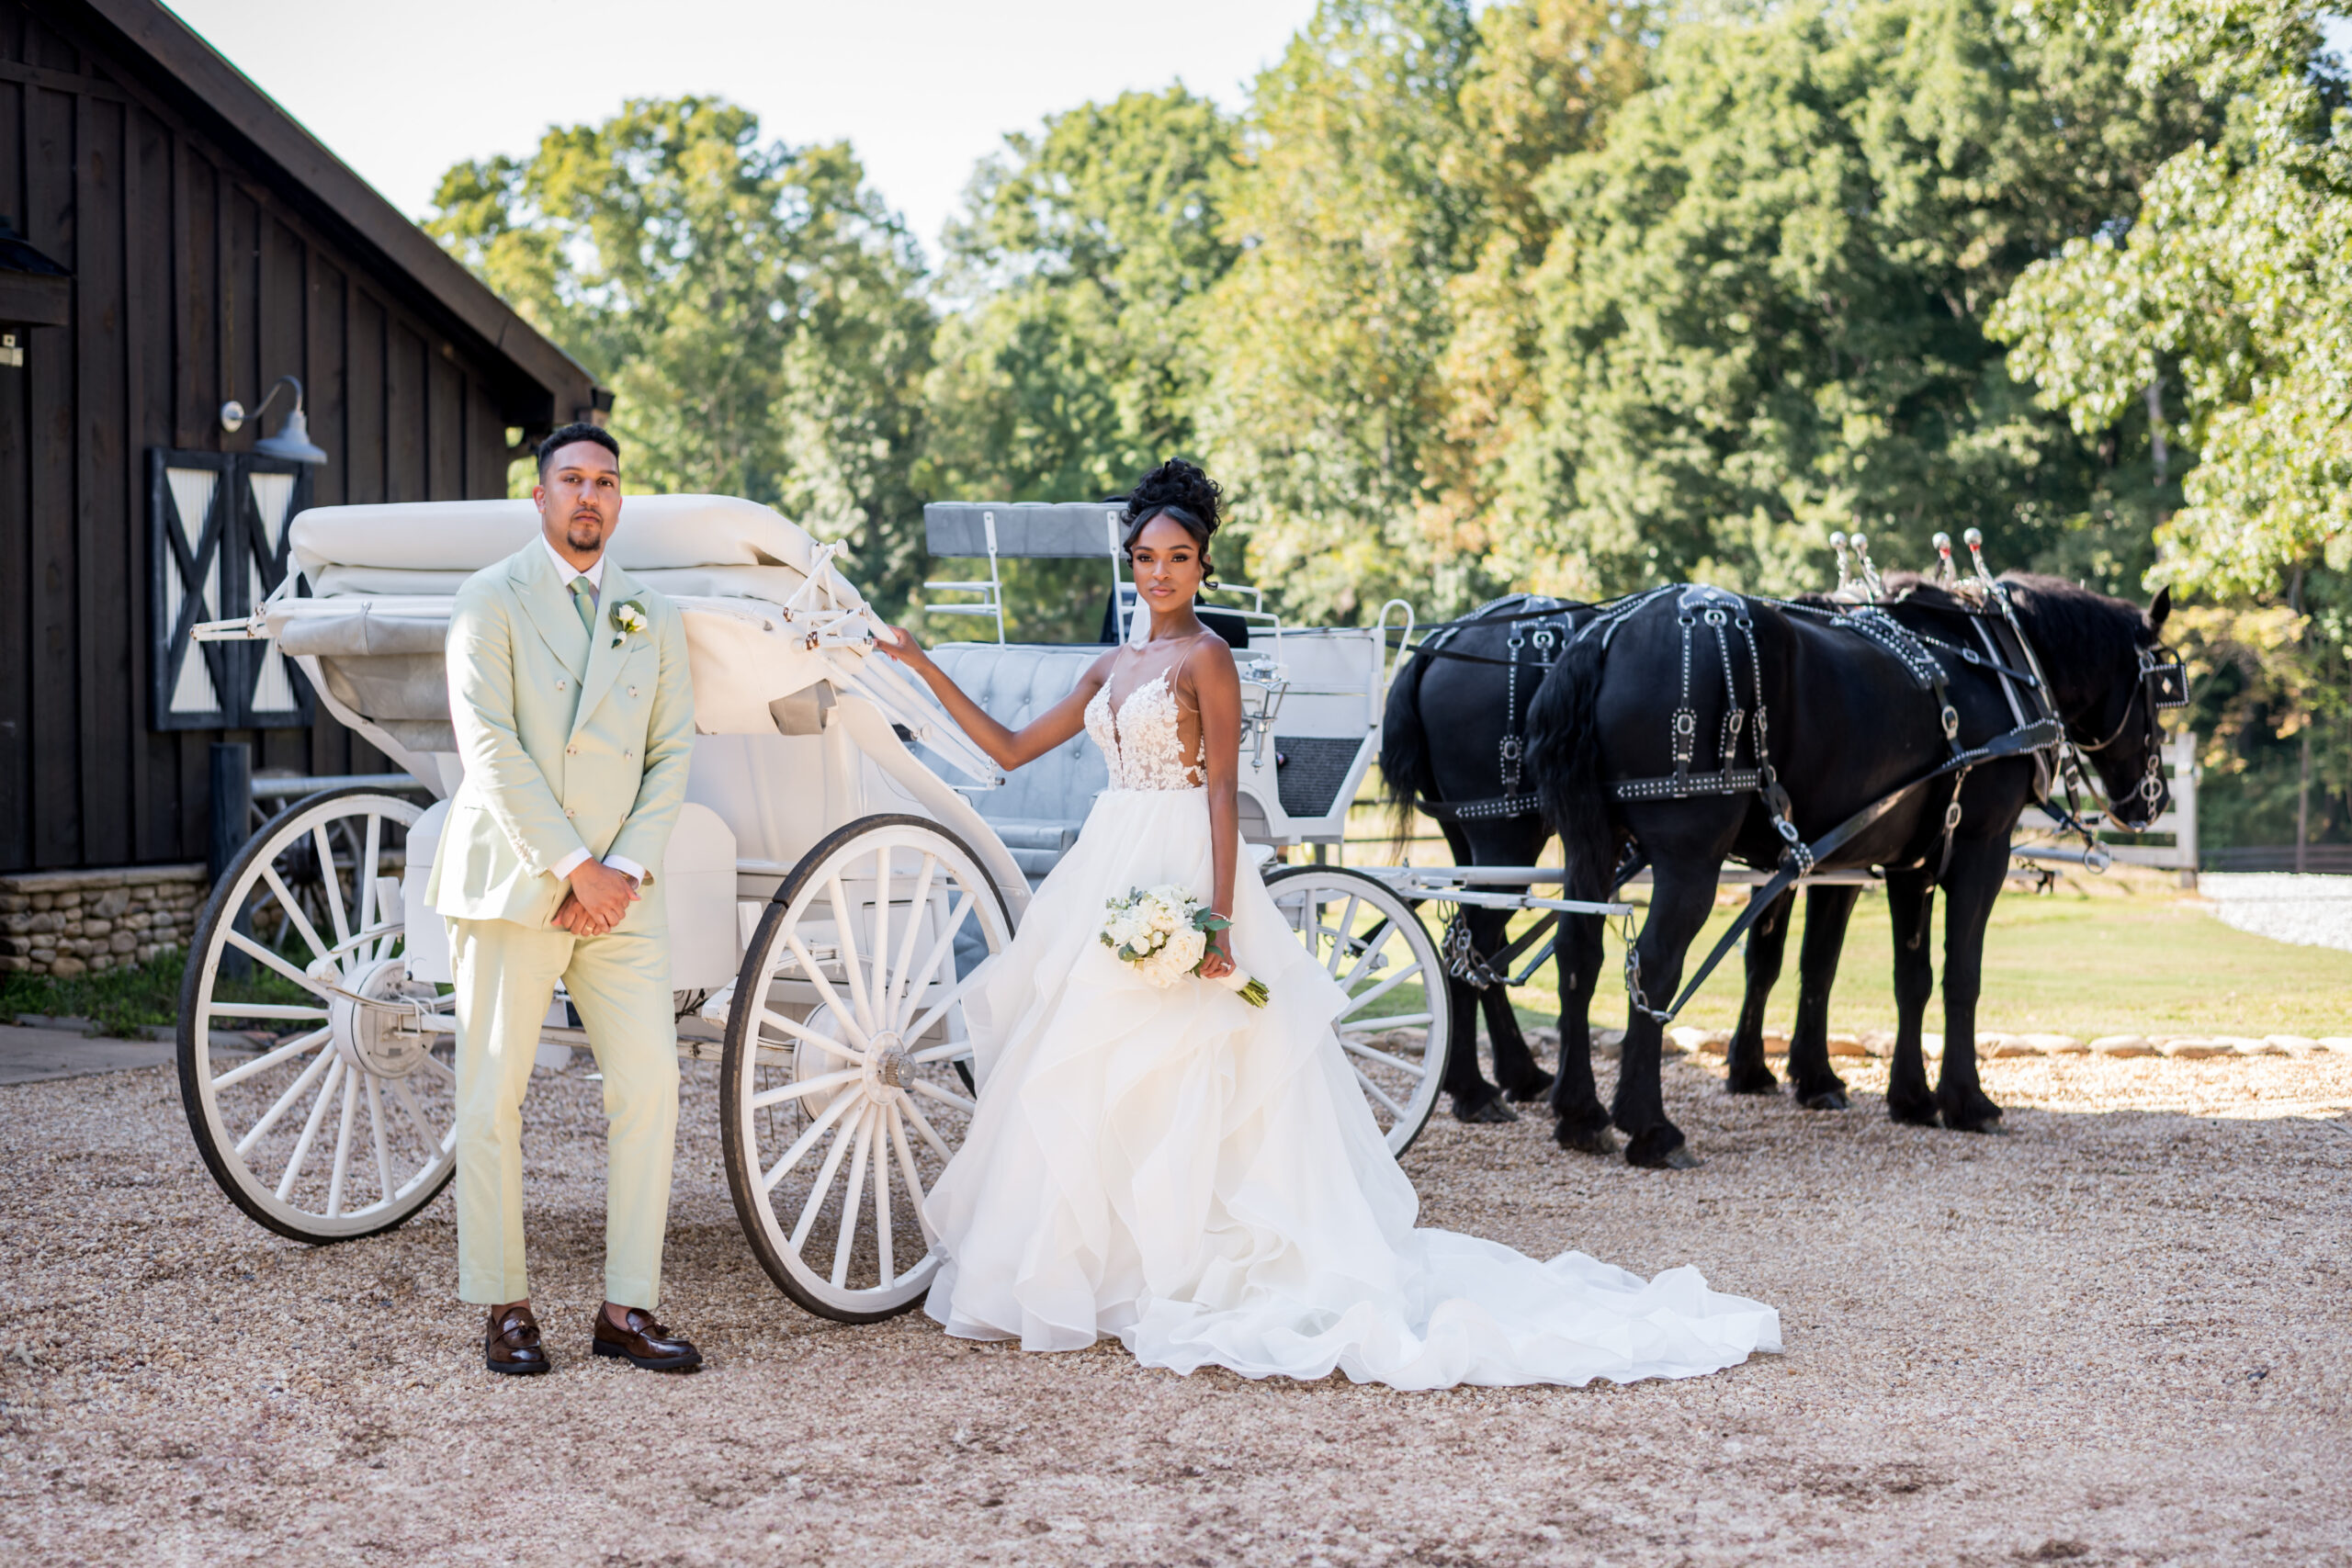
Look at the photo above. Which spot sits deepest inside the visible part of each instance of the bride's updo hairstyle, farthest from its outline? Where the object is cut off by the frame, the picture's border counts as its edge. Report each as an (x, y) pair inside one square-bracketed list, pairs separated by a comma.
[(1181, 492)]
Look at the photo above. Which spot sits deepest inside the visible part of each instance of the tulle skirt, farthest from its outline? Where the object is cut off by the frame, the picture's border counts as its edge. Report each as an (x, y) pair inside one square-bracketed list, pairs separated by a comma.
[(1203, 1179)]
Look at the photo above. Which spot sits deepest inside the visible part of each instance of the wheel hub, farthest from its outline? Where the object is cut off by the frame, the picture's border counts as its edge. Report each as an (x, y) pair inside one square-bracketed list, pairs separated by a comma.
[(889, 1068), (377, 1039)]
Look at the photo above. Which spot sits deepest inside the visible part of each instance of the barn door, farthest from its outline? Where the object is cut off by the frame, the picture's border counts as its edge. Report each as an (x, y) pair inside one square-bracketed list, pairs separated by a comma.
[(217, 542)]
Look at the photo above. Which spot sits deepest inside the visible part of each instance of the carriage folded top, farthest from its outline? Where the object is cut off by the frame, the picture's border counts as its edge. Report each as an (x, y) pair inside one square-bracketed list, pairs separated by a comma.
[(769, 618)]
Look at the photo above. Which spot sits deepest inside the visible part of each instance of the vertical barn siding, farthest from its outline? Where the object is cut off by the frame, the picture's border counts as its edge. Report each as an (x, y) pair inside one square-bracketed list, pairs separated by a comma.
[(193, 283)]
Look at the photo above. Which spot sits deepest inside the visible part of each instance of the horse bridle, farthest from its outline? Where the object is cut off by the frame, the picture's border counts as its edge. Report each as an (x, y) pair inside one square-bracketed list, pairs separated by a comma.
[(2162, 683)]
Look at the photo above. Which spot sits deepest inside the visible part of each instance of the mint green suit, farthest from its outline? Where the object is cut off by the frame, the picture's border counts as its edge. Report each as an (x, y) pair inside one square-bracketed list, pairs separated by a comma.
[(572, 741)]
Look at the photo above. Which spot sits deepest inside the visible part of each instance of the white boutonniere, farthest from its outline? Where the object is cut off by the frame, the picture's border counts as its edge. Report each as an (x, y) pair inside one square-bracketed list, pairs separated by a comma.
[(628, 617)]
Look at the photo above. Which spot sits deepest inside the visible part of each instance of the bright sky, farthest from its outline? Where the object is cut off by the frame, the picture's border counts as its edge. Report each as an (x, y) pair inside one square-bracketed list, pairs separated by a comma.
[(922, 88)]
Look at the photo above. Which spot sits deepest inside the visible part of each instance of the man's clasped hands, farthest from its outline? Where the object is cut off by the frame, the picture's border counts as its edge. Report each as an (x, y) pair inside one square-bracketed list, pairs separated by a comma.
[(598, 901)]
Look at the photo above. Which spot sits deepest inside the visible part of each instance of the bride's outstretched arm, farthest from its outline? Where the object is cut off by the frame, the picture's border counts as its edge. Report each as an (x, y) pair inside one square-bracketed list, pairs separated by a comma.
[(1217, 689), (1007, 749)]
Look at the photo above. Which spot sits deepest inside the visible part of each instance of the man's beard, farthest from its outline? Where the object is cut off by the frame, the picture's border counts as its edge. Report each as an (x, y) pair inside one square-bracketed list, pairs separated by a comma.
[(585, 535)]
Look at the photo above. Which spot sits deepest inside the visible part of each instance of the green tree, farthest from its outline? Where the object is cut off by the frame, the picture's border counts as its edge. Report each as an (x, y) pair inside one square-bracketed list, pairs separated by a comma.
[(1322, 395), (2232, 290), (754, 308), (1763, 310), (1080, 267), (1545, 78)]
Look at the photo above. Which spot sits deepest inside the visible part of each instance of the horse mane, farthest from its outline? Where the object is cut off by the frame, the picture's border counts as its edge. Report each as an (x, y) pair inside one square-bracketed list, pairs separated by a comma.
[(2075, 628)]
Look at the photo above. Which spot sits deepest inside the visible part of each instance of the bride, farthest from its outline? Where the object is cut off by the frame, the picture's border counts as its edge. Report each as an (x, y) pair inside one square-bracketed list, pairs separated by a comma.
[(1197, 1176)]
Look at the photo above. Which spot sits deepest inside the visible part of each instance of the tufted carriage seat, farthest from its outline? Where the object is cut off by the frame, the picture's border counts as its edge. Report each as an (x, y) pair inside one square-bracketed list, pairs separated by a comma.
[(1038, 808)]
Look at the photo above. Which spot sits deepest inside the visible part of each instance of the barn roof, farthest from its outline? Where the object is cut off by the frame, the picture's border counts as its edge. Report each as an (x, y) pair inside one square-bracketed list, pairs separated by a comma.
[(548, 385)]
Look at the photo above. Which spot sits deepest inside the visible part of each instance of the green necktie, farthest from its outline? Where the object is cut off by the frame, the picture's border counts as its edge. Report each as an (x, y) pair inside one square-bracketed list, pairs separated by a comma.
[(583, 599)]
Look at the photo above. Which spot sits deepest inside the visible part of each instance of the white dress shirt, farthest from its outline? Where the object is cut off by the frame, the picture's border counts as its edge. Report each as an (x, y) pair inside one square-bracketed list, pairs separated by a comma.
[(594, 574)]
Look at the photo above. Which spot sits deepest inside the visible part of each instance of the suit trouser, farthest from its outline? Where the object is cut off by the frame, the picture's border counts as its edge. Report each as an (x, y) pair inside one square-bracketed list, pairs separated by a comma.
[(620, 983)]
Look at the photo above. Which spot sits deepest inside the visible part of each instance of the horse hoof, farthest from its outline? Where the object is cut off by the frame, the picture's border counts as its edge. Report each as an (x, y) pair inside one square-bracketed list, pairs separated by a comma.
[(1489, 1110), (1644, 1152), (1761, 1082), (1535, 1088), (1587, 1141), (1826, 1100)]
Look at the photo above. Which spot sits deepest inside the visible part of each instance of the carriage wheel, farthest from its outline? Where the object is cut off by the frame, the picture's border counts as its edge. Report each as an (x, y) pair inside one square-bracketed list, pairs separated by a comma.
[(317, 1076), (1371, 942), (846, 1049)]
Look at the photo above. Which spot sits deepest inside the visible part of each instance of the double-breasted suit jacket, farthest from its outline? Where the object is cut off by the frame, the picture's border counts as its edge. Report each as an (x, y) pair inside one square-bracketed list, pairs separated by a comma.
[(575, 738)]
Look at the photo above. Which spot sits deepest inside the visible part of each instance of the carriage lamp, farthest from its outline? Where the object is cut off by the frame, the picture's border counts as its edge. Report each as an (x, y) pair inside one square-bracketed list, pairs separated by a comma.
[(292, 441)]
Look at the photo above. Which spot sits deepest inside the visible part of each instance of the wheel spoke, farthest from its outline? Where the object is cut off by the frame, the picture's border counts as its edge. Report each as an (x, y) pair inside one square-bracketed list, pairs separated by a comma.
[(824, 1182), (252, 949), (343, 1145), (309, 1131), (448, 1073), (330, 883), (908, 1173), (924, 1086), (808, 1140), (285, 1103), (947, 1053), (376, 1131), (287, 1010), (1357, 1048), (791, 1091), (923, 1124), (1377, 1025), (845, 1237), (825, 990), (362, 875), (1340, 947), (853, 966), (435, 1145), (262, 1064), (1376, 1092), (878, 986), (1364, 962), (888, 1258), (1383, 989), (388, 897), (919, 979), (293, 909), (802, 1031), (954, 994), (894, 1004)]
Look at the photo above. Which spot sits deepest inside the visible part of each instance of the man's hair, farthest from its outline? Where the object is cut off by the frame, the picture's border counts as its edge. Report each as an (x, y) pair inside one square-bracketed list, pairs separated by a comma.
[(571, 433)]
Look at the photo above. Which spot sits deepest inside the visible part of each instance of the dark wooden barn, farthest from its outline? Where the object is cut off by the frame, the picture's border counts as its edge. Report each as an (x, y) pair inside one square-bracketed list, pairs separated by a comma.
[(208, 245)]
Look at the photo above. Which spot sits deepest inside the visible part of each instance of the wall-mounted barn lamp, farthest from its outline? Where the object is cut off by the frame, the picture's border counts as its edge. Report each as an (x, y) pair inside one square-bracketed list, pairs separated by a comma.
[(293, 438)]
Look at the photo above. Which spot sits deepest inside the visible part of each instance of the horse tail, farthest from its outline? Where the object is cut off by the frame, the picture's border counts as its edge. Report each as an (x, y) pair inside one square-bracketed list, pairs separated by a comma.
[(1563, 751), (1404, 774)]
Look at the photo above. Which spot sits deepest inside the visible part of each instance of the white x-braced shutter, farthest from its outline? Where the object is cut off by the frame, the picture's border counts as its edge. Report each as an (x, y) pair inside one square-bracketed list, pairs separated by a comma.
[(217, 540)]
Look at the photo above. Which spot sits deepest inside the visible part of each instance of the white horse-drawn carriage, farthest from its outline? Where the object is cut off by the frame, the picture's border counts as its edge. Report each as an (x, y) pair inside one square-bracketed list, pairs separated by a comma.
[(846, 857)]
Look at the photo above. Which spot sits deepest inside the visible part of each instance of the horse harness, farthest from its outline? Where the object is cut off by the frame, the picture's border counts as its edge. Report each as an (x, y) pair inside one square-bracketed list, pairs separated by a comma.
[(1536, 621), (2037, 731), (1541, 624)]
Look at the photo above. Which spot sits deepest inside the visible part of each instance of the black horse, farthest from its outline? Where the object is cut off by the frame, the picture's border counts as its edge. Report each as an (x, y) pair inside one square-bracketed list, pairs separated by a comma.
[(1694, 727), (1452, 744)]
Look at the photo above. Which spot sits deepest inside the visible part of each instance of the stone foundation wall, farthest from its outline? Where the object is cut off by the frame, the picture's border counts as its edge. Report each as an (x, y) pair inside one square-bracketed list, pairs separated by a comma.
[(74, 922)]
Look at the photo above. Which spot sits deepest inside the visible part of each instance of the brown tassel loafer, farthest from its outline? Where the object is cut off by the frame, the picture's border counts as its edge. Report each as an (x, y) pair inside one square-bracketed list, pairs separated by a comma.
[(645, 1343), (513, 1344)]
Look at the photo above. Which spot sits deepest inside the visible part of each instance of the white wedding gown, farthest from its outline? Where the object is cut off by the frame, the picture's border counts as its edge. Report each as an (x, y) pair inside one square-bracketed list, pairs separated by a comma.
[(1203, 1180)]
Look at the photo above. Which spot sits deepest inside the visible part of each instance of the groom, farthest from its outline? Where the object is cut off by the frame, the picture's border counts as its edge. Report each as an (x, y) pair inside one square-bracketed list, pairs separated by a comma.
[(569, 689)]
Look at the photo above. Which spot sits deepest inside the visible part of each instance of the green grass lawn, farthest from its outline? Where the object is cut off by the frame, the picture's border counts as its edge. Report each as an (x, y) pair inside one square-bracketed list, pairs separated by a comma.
[(2128, 957)]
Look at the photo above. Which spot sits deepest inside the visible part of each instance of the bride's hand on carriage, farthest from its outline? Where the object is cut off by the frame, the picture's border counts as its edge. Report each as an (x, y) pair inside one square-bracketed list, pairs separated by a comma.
[(901, 646)]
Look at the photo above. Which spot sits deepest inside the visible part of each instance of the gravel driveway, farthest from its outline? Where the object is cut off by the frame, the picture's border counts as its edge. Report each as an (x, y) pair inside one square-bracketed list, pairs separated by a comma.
[(2122, 1334)]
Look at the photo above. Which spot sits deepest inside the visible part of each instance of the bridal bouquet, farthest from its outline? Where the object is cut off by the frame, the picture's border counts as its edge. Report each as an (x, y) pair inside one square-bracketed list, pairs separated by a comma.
[(1164, 932)]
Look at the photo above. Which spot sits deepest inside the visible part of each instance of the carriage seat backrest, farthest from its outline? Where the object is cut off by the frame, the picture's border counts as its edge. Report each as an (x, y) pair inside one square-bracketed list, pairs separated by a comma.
[(1038, 808)]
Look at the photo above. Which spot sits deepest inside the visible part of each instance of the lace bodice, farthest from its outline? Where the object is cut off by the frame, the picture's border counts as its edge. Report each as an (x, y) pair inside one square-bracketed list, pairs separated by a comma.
[(1140, 742)]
